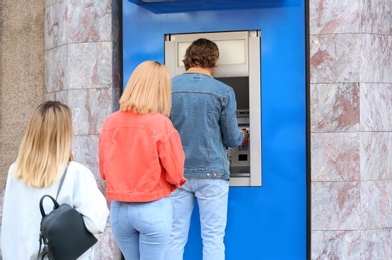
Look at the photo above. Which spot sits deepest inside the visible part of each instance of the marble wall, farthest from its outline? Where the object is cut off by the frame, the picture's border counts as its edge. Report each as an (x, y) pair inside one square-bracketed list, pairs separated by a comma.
[(82, 69), (351, 130)]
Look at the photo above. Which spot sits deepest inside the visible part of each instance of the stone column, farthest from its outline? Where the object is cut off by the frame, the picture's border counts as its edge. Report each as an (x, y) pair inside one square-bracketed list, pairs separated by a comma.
[(351, 139), (82, 69)]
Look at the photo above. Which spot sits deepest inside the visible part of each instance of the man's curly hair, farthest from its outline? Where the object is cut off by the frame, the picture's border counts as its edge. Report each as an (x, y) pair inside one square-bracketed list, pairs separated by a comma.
[(201, 53)]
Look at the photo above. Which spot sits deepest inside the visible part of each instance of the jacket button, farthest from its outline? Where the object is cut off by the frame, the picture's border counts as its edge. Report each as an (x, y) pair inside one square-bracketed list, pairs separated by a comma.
[(208, 175), (215, 174)]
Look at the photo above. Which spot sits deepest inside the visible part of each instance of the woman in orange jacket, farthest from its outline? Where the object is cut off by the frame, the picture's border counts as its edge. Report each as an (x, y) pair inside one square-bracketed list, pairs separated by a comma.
[(142, 161)]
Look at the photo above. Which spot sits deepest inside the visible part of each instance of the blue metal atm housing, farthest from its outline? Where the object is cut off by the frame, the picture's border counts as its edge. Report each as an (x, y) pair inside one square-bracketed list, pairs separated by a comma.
[(268, 222)]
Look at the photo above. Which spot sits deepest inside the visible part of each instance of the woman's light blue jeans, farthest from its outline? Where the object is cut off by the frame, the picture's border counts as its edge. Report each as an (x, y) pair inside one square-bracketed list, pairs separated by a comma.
[(212, 199), (141, 230)]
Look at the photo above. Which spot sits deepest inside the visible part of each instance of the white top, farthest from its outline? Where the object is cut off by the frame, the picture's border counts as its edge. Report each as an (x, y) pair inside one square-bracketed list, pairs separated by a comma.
[(22, 217)]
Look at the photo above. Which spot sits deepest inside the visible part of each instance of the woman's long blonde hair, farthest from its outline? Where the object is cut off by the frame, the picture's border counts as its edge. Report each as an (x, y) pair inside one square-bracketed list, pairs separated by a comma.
[(46, 146), (148, 90)]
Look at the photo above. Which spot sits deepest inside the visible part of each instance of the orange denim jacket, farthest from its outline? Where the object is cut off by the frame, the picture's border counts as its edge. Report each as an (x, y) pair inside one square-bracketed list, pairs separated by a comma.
[(140, 157)]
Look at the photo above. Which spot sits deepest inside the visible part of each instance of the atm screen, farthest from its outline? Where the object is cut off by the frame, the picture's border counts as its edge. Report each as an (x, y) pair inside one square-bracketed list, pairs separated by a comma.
[(241, 89)]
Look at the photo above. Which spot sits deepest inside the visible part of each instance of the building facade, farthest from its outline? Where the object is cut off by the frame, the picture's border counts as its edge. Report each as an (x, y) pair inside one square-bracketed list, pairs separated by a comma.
[(69, 50)]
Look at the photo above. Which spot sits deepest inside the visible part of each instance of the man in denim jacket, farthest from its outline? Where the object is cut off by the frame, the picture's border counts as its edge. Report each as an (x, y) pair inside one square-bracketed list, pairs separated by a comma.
[(204, 114)]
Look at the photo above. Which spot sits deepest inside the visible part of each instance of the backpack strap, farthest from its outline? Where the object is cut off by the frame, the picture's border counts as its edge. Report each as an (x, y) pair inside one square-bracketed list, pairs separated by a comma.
[(61, 181), (44, 251)]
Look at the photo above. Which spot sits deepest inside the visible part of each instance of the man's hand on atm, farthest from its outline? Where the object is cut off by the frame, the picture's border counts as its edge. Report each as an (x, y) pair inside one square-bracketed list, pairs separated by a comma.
[(246, 134)]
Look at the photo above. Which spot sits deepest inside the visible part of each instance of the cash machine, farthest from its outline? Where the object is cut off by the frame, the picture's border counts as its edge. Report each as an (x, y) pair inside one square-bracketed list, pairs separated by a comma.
[(238, 67), (262, 47)]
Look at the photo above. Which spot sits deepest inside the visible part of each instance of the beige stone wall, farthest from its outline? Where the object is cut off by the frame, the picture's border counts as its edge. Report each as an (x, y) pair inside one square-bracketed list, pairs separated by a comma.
[(21, 73)]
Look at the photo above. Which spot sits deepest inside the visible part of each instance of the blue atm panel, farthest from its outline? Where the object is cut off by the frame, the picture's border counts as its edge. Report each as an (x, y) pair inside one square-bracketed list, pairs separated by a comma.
[(267, 222)]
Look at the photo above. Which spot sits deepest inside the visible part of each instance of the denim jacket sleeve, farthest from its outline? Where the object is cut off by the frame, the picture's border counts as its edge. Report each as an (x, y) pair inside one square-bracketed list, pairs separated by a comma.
[(231, 134)]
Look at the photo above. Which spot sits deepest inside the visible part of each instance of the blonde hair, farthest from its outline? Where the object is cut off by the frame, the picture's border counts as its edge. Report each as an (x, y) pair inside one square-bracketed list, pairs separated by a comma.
[(46, 146), (148, 90)]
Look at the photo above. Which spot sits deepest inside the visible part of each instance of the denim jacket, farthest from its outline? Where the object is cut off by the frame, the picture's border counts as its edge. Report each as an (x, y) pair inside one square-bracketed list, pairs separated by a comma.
[(204, 114)]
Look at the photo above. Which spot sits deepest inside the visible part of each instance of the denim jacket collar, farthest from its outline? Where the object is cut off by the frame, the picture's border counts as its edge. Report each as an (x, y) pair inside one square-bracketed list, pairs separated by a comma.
[(198, 71)]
